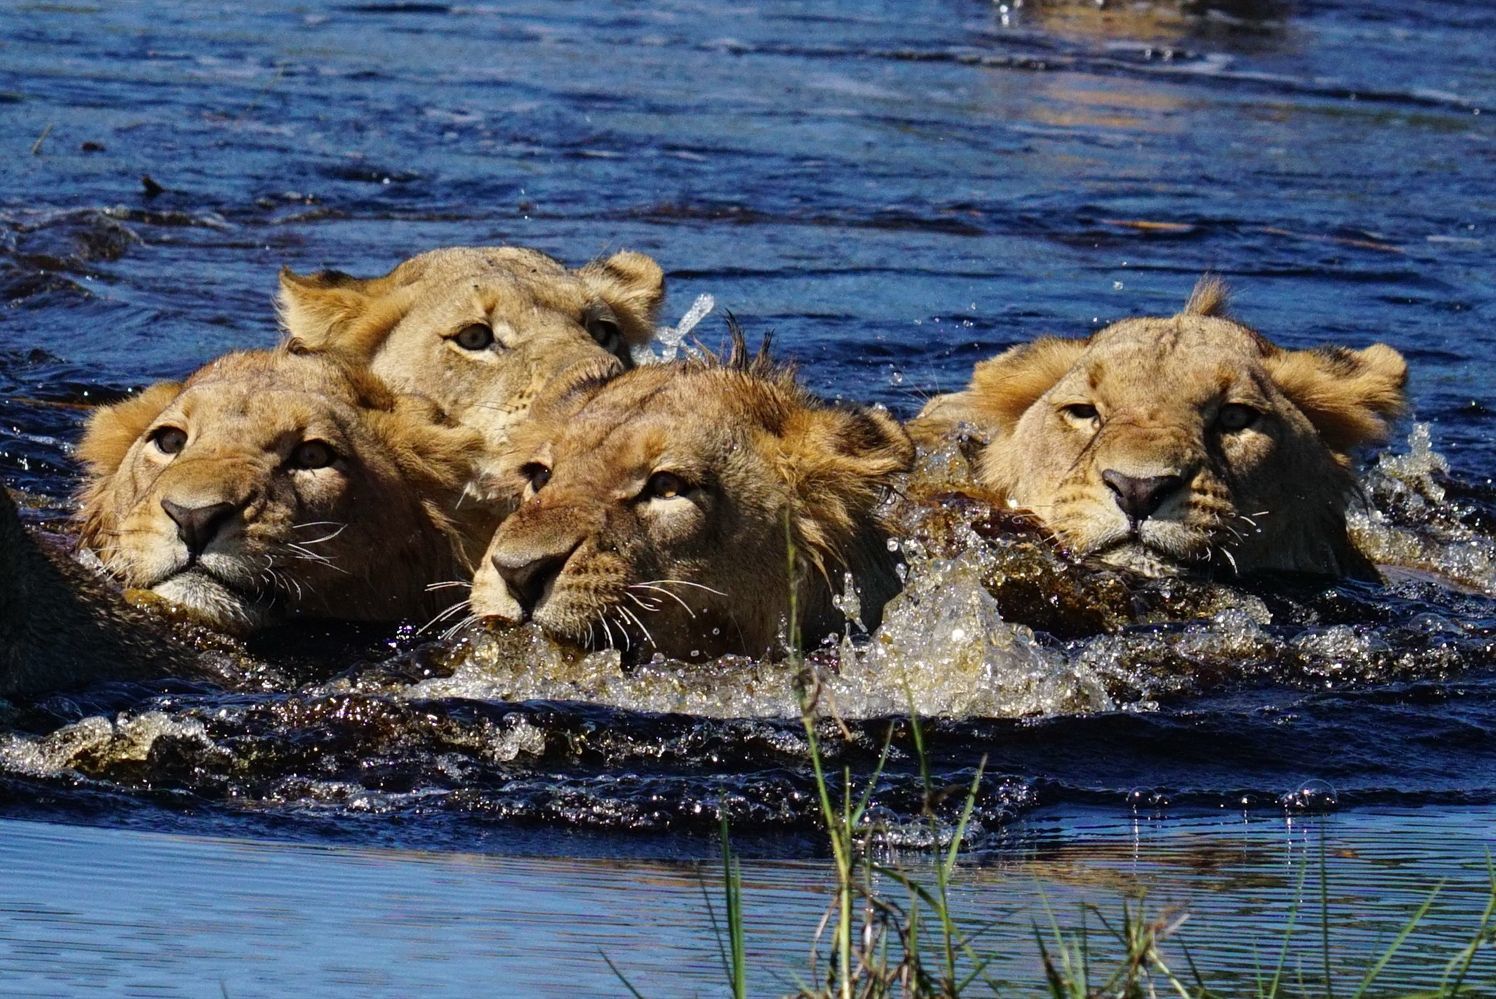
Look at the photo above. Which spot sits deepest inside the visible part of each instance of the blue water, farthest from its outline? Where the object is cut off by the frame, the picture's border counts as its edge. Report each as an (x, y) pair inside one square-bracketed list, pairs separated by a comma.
[(896, 190)]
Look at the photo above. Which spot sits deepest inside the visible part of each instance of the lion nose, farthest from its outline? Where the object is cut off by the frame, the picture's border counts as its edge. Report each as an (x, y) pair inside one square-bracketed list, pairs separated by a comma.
[(528, 574), (1140, 496), (197, 526)]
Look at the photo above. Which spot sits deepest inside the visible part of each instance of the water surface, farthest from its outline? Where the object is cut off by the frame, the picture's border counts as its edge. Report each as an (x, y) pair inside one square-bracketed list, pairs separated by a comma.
[(896, 190)]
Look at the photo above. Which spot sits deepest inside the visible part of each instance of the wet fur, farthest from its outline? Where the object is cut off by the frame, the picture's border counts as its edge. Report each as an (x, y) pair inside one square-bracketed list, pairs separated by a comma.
[(1272, 496), (396, 491), (771, 466)]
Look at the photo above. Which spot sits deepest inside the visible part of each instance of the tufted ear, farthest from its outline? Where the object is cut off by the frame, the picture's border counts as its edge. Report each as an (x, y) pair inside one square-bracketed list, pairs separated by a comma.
[(1001, 390), (839, 462), (333, 309), (633, 286), (112, 430), (1210, 297), (1349, 395)]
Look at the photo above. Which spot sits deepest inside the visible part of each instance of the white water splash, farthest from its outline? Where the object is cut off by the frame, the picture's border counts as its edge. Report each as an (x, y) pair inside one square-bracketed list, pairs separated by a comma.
[(669, 340)]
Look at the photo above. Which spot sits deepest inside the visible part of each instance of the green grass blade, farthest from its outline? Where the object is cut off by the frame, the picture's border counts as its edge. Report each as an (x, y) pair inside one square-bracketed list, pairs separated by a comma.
[(1293, 915), (614, 968), (1397, 942)]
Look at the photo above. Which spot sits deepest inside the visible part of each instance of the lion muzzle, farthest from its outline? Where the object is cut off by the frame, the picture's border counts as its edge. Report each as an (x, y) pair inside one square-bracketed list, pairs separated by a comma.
[(197, 526), (1139, 497)]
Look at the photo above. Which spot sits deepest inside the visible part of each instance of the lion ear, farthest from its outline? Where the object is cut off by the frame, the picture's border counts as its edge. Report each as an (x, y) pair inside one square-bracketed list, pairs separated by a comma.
[(330, 309), (1349, 395), (633, 286), (1002, 389), (839, 462), (112, 430)]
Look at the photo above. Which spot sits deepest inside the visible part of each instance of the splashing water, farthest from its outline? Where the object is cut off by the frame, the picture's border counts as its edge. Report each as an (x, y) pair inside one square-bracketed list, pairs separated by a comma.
[(1411, 524), (669, 341)]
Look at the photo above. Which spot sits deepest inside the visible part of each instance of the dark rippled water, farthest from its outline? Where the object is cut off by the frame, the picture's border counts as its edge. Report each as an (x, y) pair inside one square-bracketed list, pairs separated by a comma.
[(897, 190)]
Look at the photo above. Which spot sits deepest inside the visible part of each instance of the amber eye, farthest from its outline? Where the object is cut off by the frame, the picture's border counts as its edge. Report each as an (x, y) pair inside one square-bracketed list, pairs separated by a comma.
[(606, 331), (312, 455), (477, 336), (537, 474), (1236, 416), (169, 440), (664, 485)]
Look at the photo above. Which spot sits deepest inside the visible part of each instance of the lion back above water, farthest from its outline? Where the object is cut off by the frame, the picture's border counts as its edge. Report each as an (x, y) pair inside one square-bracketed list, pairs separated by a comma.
[(656, 511), (279, 484), (1187, 442)]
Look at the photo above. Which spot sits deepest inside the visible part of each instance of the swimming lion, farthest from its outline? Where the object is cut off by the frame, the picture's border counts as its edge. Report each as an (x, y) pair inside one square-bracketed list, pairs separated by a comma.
[(1191, 441), (480, 330), (657, 510), (276, 484)]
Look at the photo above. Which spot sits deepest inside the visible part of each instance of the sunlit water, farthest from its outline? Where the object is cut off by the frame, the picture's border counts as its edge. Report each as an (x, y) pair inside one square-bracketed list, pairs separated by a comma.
[(896, 190)]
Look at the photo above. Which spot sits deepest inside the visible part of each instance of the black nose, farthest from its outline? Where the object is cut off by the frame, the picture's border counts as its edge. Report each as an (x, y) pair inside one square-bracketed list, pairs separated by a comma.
[(197, 526), (1139, 498), (527, 577)]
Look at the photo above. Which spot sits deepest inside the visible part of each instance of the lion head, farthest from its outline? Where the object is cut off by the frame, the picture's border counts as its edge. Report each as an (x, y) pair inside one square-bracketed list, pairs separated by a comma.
[(276, 484), (479, 330), (1190, 441), (657, 511)]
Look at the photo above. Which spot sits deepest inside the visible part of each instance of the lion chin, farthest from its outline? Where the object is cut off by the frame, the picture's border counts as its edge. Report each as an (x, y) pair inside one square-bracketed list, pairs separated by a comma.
[(1143, 559), (203, 597)]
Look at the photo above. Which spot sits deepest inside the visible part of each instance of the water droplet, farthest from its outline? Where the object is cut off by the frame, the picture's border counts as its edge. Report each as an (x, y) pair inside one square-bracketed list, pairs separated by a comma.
[(1311, 796), (1141, 799)]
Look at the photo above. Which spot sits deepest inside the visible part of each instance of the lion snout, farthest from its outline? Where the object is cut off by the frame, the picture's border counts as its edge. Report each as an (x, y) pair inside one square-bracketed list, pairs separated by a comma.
[(1140, 496), (529, 573), (198, 524)]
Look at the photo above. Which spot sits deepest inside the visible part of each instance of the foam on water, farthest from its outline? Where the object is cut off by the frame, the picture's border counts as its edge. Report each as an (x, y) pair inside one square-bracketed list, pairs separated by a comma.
[(1410, 522)]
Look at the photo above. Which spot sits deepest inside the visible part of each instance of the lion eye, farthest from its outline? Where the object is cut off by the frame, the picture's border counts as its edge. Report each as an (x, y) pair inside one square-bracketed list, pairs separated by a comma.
[(169, 440), (311, 455), (1236, 416), (606, 331), (537, 474), (1081, 412), (664, 485), (477, 336)]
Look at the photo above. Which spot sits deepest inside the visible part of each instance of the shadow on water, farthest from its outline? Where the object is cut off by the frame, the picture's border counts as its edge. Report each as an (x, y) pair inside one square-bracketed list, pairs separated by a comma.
[(897, 190)]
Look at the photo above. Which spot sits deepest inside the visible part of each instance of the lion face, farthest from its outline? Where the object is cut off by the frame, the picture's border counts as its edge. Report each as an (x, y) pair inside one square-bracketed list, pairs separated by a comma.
[(274, 484), (479, 330), (1186, 442), (655, 512)]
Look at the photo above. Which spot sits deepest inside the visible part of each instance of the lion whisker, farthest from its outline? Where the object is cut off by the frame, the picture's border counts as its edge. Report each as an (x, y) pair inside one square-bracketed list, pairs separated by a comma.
[(444, 615), (446, 584), (635, 618), (646, 607), (326, 537), (685, 582), (665, 592), (446, 635)]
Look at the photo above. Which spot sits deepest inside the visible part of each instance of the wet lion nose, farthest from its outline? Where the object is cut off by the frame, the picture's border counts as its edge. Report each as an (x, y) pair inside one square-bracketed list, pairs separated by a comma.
[(1140, 497), (527, 575), (197, 526)]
